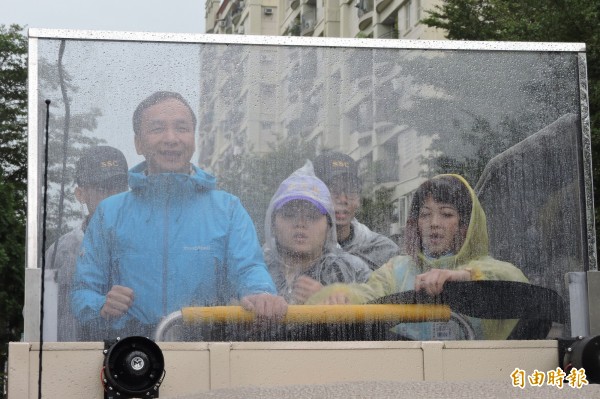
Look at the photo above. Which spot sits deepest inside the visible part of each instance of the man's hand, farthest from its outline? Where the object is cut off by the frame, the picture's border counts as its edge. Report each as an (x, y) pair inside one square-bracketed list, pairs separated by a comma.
[(118, 301), (265, 306), (304, 288), (432, 282)]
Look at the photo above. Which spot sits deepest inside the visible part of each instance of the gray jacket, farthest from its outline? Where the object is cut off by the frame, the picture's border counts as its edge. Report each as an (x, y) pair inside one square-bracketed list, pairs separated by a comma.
[(373, 248), (64, 262)]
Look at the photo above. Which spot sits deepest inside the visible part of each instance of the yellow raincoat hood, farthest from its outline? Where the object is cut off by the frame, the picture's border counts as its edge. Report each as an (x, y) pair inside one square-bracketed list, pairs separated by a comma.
[(399, 273)]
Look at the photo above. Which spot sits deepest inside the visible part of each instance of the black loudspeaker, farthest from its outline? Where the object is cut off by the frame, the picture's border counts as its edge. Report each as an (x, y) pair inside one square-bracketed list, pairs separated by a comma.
[(134, 367), (584, 352)]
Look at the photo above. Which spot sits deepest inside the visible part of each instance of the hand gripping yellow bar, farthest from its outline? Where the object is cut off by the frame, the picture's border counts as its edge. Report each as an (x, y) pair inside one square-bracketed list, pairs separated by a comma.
[(303, 314)]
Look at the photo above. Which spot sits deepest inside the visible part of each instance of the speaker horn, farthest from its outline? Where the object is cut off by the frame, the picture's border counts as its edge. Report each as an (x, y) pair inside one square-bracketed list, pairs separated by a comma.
[(584, 352), (133, 367)]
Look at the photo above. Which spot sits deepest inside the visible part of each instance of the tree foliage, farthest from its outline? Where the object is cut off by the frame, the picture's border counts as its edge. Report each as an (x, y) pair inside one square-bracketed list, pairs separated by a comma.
[(13, 106), (254, 177), (13, 167), (12, 260), (13, 172), (377, 211), (67, 131), (534, 21)]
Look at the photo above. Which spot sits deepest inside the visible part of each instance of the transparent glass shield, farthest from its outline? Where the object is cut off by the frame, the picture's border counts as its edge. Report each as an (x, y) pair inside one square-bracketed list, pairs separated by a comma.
[(201, 222)]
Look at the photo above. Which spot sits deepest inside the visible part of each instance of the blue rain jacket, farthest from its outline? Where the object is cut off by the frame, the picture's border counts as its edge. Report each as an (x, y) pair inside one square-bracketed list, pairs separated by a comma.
[(176, 241)]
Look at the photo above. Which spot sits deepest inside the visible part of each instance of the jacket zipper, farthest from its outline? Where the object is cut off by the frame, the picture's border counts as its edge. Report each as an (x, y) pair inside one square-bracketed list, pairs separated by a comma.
[(166, 254)]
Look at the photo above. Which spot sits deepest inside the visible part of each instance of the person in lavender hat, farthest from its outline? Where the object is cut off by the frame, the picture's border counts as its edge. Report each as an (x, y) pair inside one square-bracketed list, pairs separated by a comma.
[(301, 249)]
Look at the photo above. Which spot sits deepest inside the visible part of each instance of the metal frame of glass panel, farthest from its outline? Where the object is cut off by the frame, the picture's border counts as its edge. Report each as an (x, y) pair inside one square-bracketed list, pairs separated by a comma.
[(35, 149)]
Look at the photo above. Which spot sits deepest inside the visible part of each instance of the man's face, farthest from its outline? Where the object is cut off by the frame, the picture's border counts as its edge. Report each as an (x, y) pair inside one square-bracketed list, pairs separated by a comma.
[(166, 137), (345, 193)]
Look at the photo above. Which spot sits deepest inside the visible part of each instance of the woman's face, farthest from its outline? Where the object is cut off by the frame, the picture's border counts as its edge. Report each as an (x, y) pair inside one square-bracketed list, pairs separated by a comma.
[(439, 227), (300, 229)]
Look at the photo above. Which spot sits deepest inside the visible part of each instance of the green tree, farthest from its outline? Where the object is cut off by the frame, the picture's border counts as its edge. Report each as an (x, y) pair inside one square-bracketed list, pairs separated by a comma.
[(13, 171), (377, 211), (255, 177), (533, 20), (12, 261), (13, 105), (68, 131), (13, 167)]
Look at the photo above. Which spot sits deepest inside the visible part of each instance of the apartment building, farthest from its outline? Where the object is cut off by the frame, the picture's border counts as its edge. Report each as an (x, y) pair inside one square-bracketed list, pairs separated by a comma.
[(306, 93), (242, 17), (391, 19)]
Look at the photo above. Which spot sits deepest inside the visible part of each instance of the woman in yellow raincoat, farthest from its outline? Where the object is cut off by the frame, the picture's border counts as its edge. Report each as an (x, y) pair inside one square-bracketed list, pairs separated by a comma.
[(445, 240)]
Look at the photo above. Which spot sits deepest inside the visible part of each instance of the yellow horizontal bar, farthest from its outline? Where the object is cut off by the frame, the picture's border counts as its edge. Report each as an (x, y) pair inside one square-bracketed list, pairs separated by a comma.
[(304, 314)]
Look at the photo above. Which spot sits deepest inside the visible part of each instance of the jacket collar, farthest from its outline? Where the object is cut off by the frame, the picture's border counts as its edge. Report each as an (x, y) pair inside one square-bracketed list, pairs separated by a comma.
[(199, 179)]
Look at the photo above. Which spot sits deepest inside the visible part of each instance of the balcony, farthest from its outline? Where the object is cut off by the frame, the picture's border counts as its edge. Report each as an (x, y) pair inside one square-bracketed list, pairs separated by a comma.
[(364, 138), (365, 21), (365, 13), (382, 5)]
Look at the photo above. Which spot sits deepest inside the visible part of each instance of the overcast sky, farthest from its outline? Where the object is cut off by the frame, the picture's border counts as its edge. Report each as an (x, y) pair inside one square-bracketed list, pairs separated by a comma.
[(178, 16)]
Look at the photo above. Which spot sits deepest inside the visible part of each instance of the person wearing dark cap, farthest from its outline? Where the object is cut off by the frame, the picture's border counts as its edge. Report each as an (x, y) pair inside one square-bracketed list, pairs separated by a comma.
[(100, 172), (301, 248), (340, 173), (173, 241)]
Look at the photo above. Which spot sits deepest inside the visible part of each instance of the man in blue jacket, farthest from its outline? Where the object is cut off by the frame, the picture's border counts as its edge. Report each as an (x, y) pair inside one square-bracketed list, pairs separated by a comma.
[(173, 241)]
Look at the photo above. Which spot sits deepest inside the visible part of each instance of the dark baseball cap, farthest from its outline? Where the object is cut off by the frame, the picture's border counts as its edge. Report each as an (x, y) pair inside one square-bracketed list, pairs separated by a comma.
[(333, 164), (101, 166)]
